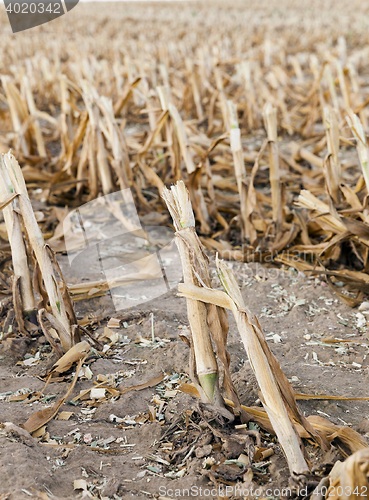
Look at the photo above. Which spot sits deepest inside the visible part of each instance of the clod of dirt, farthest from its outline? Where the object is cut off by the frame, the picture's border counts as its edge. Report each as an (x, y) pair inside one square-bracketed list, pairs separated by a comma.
[(228, 472), (232, 449), (19, 434), (204, 451), (14, 349)]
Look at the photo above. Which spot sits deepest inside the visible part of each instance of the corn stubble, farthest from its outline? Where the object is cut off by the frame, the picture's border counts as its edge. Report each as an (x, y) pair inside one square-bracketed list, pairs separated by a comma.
[(207, 322), (55, 303), (277, 395)]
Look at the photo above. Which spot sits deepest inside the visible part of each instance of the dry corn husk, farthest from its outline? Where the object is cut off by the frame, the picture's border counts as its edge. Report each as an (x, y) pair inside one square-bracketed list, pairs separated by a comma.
[(349, 480), (348, 440)]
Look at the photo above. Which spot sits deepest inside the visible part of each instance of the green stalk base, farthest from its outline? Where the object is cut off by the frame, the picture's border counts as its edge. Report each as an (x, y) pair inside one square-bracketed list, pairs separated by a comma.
[(208, 383)]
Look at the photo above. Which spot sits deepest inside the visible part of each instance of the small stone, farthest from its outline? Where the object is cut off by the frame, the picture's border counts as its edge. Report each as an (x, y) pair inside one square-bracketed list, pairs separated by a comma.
[(364, 306), (87, 438), (361, 320), (204, 451), (277, 338), (363, 426), (140, 462)]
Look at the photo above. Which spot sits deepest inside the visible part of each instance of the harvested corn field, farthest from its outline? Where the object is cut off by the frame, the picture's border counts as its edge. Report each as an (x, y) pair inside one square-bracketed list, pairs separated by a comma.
[(184, 252)]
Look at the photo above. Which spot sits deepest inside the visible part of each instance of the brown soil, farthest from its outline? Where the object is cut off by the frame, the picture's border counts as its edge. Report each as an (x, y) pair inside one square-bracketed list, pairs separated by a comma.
[(122, 471)]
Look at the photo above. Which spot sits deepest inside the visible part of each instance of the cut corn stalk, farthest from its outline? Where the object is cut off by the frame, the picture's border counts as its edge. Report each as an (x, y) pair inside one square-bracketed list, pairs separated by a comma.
[(343, 86), (239, 166), (273, 403), (40, 250), (331, 85), (205, 322), (121, 160), (98, 157), (361, 145), (18, 249), (270, 117), (179, 206), (33, 113), (17, 111), (195, 89), (64, 115), (332, 166), (221, 96)]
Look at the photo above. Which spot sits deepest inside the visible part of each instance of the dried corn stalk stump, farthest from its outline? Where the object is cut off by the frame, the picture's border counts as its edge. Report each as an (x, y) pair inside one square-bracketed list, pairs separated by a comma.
[(28, 245)]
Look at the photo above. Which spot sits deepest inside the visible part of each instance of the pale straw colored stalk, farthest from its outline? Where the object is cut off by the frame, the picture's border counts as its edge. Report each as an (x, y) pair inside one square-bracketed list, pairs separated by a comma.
[(33, 112), (14, 112), (64, 115), (38, 245), (245, 70), (239, 165), (343, 86), (272, 398), (179, 206), (97, 147), (270, 117), (221, 96), (195, 88), (121, 161), (361, 144), (331, 85), (332, 165), (18, 250)]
